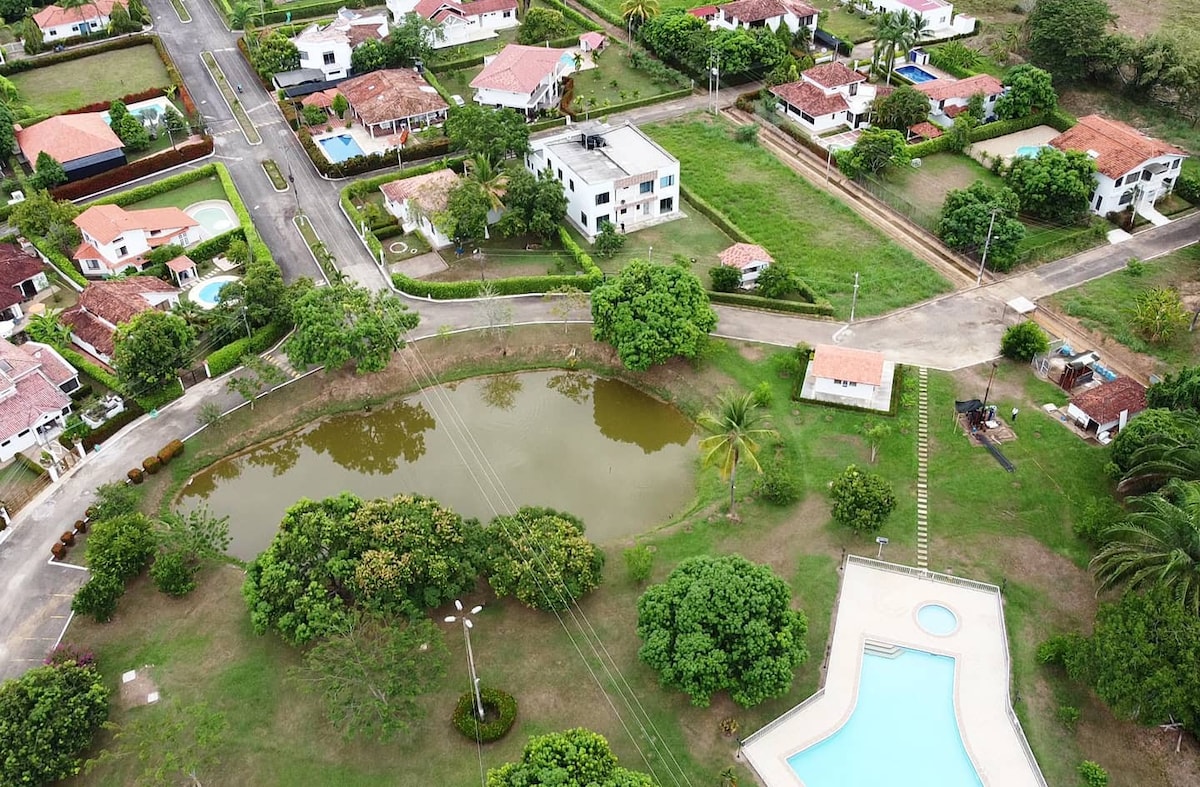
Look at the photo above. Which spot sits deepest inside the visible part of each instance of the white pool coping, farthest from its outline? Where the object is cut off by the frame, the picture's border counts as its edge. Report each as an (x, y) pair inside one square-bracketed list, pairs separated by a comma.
[(878, 603)]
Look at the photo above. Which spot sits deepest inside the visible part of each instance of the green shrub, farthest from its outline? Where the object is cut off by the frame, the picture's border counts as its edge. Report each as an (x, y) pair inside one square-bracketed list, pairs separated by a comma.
[(1188, 187), (151, 464), (763, 395), (1068, 716), (173, 573), (639, 563), (120, 547), (1095, 518), (821, 308), (725, 278), (500, 711), (862, 501), (778, 485), (1092, 774), (1058, 650), (1021, 342), (97, 598), (230, 356)]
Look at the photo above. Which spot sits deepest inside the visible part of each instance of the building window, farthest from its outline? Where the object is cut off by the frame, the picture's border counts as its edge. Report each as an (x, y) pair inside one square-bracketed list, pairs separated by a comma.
[(23, 434), (572, 183), (560, 177), (666, 205), (508, 14), (1175, 164), (602, 199), (583, 218), (1147, 174), (303, 56), (1117, 182), (601, 221), (1126, 198), (646, 187), (666, 180), (122, 251), (93, 265), (854, 88), (328, 58), (807, 118), (53, 33)]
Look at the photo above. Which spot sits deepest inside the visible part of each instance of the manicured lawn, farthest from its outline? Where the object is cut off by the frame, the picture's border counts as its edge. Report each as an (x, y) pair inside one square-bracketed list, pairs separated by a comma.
[(847, 26), (825, 240), (1104, 305), (205, 189), (54, 89), (503, 257), (920, 191), (694, 237), (614, 81)]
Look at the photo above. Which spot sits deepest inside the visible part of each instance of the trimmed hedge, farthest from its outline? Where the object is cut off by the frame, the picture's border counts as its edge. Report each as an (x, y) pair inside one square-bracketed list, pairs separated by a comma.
[(715, 216), (574, 16), (434, 83), (821, 308), (230, 356), (941, 144), (205, 250), (160, 398), (296, 10), (135, 170), (1058, 120), (84, 365), (54, 58), (466, 722), (625, 106), (59, 261), (359, 165), (110, 427)]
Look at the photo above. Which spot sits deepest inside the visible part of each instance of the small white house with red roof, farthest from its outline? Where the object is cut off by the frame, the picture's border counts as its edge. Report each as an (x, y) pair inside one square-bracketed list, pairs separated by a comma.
[(329, 47), (116, 239), (1131, 168), (949, 97), (103, 305), (83, 143), (459, 23), (34, 383), (58, 23), (750, 259), (938, 15), (844, 375), (770, 14), (592, 41), (827, 96), (525, 78), (416, 202)]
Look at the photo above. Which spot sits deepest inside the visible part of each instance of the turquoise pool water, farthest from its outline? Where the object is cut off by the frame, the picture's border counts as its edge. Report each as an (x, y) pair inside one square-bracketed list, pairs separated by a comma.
[(902, 733), (915, 74), (1029, 151), (341, 147), (937, 620), (208, 293)]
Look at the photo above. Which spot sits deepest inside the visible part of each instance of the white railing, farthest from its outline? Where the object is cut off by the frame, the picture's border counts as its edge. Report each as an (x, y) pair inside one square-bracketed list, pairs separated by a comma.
[(1012, 714), (922, 573), (787, 715)]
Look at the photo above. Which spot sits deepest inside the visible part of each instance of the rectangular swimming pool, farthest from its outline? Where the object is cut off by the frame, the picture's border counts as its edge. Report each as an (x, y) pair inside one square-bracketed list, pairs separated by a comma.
[(903, 731), (915, 74), (340, 148)]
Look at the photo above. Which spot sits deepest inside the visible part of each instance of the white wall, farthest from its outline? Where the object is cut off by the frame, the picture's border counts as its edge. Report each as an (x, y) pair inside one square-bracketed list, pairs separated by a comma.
[(1108, 195), (542, 98), (825, 385), (820, 123), (790, 20), (135, 242), (60, 32), (312, 55), (751, 273)]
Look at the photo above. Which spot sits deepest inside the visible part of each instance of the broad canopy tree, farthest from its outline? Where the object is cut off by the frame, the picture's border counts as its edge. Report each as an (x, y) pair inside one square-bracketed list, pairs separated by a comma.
[(1055, 185), (1029, 90), (346, 322), (1070, 38), (652, 313), (970, 214), (574, 758), (904, 107), (149, 349), (534, 205), (875, 149), (722, 624), (483, 131), (542, 557)]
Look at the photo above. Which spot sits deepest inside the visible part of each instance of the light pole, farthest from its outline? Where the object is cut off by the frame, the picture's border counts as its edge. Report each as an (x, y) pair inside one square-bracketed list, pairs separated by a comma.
[(828, 162), (464, 616), (986, 244)]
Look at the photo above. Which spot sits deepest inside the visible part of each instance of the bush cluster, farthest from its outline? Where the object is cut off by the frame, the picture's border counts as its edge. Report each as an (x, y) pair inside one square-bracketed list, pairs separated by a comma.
[(778, 485), (496, 702), (1188, 187), (230, 356)]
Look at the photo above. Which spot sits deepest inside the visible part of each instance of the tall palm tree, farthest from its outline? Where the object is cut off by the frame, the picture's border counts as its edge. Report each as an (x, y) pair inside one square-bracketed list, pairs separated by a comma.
[(734, 435), (1157, 545), (919, 27), (895, 33), (1164, 457), (638, 12), (491, 178)]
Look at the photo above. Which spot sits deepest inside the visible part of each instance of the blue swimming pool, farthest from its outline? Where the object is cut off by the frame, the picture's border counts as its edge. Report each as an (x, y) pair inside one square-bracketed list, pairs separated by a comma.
[(209, 293), (915, 74), (1029, 151), (937, 620), (902, 733), (341, 147)]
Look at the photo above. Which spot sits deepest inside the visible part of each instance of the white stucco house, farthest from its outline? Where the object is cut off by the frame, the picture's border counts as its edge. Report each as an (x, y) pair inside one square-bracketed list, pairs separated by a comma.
[(525, 78), (610, 174), (104, 305), (459, 23), (328, 48), (949, 98), (750, 260), (1106, 408), (1131, 168), (417, 201), (792, 14), (34, 383), (843, 375), (938, 15), (57, 23), (116, 239), (391, 100), (828, 96)]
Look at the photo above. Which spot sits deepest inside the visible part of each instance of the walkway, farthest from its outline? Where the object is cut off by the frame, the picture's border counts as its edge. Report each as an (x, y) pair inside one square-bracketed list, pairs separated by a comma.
[(923, 468)]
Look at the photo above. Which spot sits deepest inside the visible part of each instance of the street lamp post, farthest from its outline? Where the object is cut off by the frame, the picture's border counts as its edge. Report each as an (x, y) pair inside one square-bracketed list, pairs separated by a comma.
[(465, 617)]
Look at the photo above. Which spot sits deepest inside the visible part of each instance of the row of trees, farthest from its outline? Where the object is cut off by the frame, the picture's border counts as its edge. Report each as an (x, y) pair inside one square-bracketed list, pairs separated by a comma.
[(686, 40)]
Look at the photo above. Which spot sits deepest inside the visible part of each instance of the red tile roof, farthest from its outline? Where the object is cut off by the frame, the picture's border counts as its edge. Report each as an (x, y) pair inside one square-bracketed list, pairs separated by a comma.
[(54, 366), (519, 68), (322, 99), (945, 89), (15, 267), (748, 11), (89, 328), (844, 363), (810, 98), (391, 94), (181, 263), (106, 222), (593, 39), (703, 11), (33, 398), (926, 130), (53, 16), (68, 137), (430, 190), (739, 255), (1104, 403), (432, 8), (831, 75), (105, 304), (1122, 149)]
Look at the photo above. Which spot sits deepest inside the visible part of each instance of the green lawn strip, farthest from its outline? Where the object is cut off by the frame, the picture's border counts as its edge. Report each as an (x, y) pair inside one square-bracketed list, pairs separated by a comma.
[(693, 236), (614, 81), (824, 239), (490, 46), (315, 245), (1105, 305), (500, 252), (843, 23), (277, 180), (52, 90), (239, 112), (181, 9), (201, 190)]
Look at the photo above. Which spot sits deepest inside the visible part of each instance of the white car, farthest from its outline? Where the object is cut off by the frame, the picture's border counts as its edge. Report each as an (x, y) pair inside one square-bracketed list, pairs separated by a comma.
[(458, 100)]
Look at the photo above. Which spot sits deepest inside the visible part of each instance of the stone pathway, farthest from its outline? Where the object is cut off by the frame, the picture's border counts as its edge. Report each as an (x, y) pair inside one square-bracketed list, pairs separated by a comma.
[(923, 468)]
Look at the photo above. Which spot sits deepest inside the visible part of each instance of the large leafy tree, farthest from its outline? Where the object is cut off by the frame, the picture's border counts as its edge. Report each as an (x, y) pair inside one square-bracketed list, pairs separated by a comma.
[(465, 219), (1029, 90), (722, 624), (121, 546), (542, 24), (1055, 185), (494, 133), (47, 172), (735, 432), (970, 214), (574, 758), (1158, 545), (534, 205), (1177, 391), (47, 717), (176, 745), (412, 40), (272, 53), (677, 36), (1151, 425), (40, 214), (1070, 38), (874, 149), (1021, 342), (652, 313), (372, 671), (343, 323), (542, 557), (862, 501), (904, 107), (150, 348)]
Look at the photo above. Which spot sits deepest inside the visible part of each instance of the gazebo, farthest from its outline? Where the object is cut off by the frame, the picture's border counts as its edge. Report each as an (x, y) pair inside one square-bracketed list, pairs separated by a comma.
[(182, 269)]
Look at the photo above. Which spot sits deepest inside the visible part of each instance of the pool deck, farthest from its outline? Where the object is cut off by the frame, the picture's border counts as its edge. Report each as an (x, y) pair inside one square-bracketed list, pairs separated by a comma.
[(1006, 146), (878, 603)]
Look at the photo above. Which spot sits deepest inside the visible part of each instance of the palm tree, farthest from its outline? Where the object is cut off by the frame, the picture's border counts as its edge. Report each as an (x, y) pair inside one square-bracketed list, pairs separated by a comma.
[(1164, 457), (919, 27), (492, 179), (638, 12), (734, 433), (895, 32), (1157, 545), (47, 329)]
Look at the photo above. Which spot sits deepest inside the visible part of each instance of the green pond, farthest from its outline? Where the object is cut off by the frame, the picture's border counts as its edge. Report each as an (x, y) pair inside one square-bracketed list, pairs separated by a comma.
[(600, 449)]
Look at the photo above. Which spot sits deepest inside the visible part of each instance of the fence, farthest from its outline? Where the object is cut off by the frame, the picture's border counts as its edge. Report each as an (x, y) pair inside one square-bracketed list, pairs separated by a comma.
[(898, 202)]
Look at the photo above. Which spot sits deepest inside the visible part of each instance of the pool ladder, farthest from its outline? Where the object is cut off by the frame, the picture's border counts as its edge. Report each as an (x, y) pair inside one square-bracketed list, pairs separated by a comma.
[(882, 649)]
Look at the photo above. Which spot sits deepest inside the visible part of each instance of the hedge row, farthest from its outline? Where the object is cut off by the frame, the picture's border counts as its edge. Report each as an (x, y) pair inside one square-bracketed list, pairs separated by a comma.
[(542, 125), (1057, 119), (59, 260), (131, 98), (205, 251), (821, 308), (1188, 187), (625, 106), (230, 356), (893, 403), (436, 84), (605, 13), (54, 58), (85, 365), (516, 285), (715, 216), (169, 393), (157, 188), (941, 144), (135, 170), (258, 249), (573, 15), (296, 10), (132, 412), (581, 257)]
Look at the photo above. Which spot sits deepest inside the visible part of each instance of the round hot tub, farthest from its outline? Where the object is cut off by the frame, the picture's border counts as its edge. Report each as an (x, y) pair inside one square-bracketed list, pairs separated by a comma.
[(937, 620)]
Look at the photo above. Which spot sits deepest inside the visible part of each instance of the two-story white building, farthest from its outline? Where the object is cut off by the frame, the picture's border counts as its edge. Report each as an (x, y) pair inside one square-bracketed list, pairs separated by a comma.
[(938, 15), (329, 48), (610, 174), (949, 98), (34, 383), (828, 96), (116, 239), (459, 23), (525, 78), (764, 13), (57, 23), (1131, 168)]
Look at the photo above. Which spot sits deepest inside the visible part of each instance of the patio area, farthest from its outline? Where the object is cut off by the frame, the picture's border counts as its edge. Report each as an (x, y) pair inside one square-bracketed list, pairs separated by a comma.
[(1006, 146), (363, 142)]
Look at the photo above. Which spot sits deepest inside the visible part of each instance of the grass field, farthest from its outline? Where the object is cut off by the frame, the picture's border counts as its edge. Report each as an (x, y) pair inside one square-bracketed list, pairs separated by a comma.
[(825, 240), (1104, 305), (694, 237), (51, 90), (847, 26), (204, 189), (503, 257)]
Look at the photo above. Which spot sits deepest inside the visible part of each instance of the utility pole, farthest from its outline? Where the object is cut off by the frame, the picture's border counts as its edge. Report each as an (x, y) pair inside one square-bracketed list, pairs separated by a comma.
[(854, 298), (986, 244), (714, 80)]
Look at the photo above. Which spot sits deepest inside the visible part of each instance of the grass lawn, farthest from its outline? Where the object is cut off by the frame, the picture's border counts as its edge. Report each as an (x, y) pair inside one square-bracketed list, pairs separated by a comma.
[(800, 225), (1104, 305), (694, 237), (614, 81), (204, 189), (503, 258), (837, 19), (51, 90)]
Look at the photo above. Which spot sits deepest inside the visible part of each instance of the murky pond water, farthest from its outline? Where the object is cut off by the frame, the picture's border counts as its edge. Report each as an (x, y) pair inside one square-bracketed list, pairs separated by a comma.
[(601, 449)]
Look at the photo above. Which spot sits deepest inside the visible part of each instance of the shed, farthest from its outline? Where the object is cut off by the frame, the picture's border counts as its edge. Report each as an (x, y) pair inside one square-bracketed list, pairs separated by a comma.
[(1109, 406), (844, 371)]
